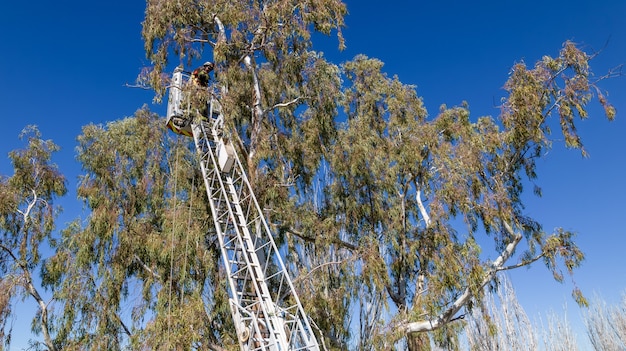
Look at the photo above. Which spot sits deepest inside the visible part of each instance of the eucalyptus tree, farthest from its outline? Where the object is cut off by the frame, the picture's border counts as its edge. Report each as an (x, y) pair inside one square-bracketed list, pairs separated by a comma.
[(381, 215), (27, 223), (379, 207), (419, 193), (264, 63), (140, 272), (279, 98)]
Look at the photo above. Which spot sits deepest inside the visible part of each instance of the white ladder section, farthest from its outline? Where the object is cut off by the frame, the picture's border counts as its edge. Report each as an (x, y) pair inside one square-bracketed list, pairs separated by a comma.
[(267, 312)]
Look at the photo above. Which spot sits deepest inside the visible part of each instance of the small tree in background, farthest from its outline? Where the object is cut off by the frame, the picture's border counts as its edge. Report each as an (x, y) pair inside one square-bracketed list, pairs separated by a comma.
[(558, 336), (606, 325), (500, 322), (27, 215)]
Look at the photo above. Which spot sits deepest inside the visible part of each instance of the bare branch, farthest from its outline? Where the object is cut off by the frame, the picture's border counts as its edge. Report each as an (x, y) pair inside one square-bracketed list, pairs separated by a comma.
[(420, 205), (8, 250), (29, 207), (448, 315), (196, 40), (321, 334), (522, 264), (316, 268), (139, 86), (30, 287), (154, 274), (32, 290), (220, 26), (285, 104)]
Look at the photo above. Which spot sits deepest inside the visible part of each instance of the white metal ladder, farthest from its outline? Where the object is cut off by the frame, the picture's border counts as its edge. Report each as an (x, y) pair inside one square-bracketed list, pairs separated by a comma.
[(267, 312)]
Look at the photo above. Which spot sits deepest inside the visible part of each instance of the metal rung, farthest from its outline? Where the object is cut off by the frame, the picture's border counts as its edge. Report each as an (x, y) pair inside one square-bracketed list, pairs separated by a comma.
[(236, 216)]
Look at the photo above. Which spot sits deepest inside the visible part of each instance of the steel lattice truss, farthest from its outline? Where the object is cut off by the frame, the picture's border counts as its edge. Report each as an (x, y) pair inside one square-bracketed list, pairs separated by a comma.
[(267, 312)]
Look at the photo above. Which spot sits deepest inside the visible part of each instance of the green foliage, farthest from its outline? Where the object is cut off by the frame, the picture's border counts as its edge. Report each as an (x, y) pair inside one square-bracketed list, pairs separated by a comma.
[(277, 30), (404, 198), (144, 248), (378, 207), (27, 214), (403, 183), (561, 86)]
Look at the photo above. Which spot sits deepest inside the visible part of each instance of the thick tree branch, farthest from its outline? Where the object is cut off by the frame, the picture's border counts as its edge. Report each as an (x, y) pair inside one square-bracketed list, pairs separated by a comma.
[(449, 314), (420, 205), (32, 290), (30, 287), (221, 30), (523, 263), (397, 298), (30, 206)]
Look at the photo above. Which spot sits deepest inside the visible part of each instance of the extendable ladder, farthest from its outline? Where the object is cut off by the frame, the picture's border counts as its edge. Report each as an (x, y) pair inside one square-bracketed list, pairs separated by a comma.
[(266, 310)]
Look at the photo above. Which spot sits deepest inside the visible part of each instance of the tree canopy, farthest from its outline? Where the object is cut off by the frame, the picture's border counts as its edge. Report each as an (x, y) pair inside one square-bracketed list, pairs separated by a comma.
[(27, 214), (396, 200), (393, 220)]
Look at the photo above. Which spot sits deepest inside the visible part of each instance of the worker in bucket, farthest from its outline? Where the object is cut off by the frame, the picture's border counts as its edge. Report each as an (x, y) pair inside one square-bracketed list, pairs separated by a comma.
[(200, 76), (200, 81)]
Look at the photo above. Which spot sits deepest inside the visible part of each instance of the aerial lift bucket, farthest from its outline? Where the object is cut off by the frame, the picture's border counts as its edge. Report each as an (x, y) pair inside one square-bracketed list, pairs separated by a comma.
[(178, 119)]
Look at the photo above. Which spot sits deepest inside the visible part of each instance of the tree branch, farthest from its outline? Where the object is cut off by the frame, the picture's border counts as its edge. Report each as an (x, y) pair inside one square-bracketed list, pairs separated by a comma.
[(139, 86), (397, 298), (522, 264), (284, 104), (337, 241), (220, 26), (8, 250), (154, 274), (29, 207), (316, 268), (30, 287), (28, 281), (420, 205), (448, 315)]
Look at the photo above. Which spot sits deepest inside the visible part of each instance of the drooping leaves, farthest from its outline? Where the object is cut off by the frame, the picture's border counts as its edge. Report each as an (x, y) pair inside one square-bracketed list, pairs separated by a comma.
[(27, 222)]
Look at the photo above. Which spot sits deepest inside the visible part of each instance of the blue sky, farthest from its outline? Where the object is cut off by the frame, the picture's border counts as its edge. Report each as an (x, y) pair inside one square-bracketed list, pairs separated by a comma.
[(64, 64)]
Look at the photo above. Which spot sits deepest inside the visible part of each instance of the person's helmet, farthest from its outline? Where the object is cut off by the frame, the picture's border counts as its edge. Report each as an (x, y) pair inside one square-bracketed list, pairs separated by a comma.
[(208, 64)]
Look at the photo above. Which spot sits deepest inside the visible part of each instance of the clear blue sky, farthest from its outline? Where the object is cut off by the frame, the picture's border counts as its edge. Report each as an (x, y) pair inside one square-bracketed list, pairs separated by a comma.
[(64, 64)]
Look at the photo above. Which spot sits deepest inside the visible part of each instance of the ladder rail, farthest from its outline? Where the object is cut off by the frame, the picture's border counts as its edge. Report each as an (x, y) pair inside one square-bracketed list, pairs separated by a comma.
[(236, 259), (277, 325), (219, 220), (267, 312), (302, 325)]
